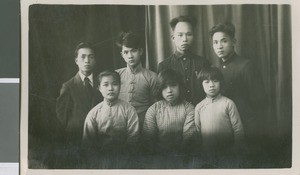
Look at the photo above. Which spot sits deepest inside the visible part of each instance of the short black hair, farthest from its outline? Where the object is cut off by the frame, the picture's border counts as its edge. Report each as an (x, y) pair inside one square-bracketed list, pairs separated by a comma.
[(188, 19), (106, 73), (83, 45), (212, 73), (226, 27), (172, 78), (129, 39)]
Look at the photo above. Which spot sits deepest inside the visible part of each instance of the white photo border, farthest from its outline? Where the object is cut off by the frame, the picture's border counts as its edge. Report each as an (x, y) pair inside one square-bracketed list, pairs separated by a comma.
[(295, 9)]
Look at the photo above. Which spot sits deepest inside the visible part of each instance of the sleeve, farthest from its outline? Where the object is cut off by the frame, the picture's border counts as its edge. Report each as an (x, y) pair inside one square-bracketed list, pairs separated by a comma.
[(255, 89), (64, 105), (190, 137), (198, 136), (197, 119), (189, 127), (132, 127), (150, 129), (236, 122), (153, 89), (90, 130), (161, 67)]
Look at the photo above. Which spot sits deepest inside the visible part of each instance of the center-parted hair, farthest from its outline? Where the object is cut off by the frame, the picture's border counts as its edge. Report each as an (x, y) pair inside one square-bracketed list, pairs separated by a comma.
[(107, 73), (226, 27), (212, 73), (170, 77), (130, 40), (82, 45), (187, 19)]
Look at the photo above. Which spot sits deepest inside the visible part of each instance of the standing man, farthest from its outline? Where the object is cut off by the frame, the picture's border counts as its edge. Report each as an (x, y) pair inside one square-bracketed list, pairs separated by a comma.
[(243, 82), (77, 97), (138, 85), (183, 60)]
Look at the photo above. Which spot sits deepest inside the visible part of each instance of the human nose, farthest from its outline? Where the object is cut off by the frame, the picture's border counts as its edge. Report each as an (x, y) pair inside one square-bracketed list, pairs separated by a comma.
[(110, 87), (86, 60), (169, 89), (219, 45), (130, 54), (184, 37), (211, 84)]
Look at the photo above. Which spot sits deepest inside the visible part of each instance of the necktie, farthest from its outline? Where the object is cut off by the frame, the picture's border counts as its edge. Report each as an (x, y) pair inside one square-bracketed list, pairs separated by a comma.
[(88, 87)]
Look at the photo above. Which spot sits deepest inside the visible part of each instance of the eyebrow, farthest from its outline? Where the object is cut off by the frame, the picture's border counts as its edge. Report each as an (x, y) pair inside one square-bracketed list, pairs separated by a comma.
[(129, 49), (183, 32), (220, 39)]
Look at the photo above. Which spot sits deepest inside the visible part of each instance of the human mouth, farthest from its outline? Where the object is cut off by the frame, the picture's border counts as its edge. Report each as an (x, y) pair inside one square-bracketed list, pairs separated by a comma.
[(170, 96), (110, 94), (184, 45), (212, 90), (220, 52)]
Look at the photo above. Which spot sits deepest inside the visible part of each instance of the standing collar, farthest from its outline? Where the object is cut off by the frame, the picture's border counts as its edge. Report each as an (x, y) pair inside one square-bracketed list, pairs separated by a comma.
[(229, 59), (178, 55), (172, 104), (109, 103), (135, 70), (211, 100)]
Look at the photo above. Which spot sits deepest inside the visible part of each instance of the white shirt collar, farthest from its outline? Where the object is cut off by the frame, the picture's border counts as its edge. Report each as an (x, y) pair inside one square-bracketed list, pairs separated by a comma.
[(90, 77)]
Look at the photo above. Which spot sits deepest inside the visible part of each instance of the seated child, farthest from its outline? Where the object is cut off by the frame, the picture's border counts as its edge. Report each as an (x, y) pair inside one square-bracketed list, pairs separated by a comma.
[(112, 125), (169, 123), (216, 117)]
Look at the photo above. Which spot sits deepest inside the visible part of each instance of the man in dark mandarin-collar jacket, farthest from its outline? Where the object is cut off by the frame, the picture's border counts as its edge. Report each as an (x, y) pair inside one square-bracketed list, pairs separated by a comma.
[(243, 84), (183, 61)]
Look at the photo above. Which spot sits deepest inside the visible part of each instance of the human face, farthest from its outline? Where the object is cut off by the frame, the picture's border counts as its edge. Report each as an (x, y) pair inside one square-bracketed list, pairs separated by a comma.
[(211, 88), (109, 88), (171, 93), (183, 36), (131, 56), (85, 61), (223, 45)]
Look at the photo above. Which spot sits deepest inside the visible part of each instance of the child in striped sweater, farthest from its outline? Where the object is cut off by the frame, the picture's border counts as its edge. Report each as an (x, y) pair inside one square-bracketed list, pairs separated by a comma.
[(169, 123)]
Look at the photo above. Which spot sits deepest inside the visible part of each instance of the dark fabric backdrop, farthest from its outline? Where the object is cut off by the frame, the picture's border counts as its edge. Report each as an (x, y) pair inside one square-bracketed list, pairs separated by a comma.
[(53, 35), (263, 33)]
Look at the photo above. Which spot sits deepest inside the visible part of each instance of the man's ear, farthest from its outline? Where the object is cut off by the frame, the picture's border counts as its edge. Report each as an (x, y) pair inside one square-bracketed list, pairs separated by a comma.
[(172, 36), (141, 51), (76, 59), (234, 40)]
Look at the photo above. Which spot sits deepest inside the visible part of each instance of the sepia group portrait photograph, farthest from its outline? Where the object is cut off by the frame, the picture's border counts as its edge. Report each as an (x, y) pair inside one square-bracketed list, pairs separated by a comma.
[(147, 86)]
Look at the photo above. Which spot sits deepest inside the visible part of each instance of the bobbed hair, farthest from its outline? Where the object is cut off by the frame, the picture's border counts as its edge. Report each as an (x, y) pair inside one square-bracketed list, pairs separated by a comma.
[(212, 73), (107, 73), (170, 77)]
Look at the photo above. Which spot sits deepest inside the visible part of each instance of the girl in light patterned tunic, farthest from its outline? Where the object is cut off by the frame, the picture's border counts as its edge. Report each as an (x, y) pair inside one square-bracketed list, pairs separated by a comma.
[(216, 117), (111, 128)]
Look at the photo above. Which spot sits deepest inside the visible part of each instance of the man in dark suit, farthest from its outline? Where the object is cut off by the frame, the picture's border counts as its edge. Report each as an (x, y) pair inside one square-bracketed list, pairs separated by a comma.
[(77, 97), (183, 60)]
